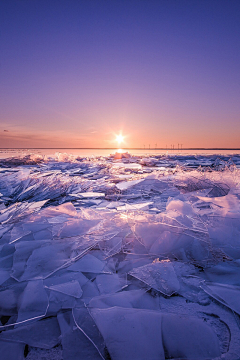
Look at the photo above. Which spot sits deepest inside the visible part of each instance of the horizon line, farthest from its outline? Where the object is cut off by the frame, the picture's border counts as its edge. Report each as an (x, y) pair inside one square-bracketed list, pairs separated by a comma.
[(114, 148)]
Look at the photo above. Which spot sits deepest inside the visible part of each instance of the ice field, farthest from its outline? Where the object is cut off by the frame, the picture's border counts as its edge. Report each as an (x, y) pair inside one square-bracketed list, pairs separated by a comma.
[(120, 257)]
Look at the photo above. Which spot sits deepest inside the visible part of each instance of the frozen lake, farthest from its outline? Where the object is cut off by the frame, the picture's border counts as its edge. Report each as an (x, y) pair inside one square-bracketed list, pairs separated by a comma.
[(105, 152), (126, 256)]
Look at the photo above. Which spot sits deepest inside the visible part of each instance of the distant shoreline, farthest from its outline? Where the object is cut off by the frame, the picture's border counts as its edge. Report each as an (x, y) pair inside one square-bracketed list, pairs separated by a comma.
[(114, 148)]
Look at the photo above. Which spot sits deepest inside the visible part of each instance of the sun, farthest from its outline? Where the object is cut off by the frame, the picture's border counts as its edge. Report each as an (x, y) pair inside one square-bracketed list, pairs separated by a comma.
[(119, 139)]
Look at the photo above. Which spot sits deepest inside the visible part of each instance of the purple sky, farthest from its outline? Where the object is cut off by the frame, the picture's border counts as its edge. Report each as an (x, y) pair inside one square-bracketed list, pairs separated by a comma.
[(76, 73)]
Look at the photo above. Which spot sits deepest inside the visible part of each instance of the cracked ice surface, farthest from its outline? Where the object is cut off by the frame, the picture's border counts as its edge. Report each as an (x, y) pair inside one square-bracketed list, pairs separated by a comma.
[(120, 257)]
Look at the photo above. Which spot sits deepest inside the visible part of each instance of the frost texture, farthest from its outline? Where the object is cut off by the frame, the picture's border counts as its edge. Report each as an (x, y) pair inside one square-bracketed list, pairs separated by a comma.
[(122, 257)]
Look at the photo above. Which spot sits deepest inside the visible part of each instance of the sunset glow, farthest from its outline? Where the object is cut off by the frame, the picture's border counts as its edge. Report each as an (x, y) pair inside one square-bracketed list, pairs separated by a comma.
[(119, 139), (172, 82)]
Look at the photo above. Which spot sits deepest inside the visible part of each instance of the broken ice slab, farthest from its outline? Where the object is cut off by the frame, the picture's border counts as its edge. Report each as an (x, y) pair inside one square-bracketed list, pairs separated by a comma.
[(87, 325), (23, 251), (131, 166), (17, 233), (124, 185), (224, 273), (135, 206), (224, 234), (4, 229), (190, 289), (71, 288), (43, 334), (64, 288), (120, 178), (132, 261), (39, 259), (145, 334), (183, 213), (89, 203), (75, 344), (150, 186), (190, 282), (12, 350), (228, 295), (77, 227), (219, 190), (4, 275), (88, 263), (37, 205), (60, 219), (114, 204), (164, 235), (188, 338), (33, 303), (90, 290), (110, 283), (8, 302), (139, 299), (130, 333), (59, 301), (111, 246), (45, 234), (89, 194), (9, 298), (67, 210), (183, 207), (159, 275), (7, 213), (121, 155), (182, 247), (225, 204), (64, 276), (156, 237), (132, 245), (19, 210)]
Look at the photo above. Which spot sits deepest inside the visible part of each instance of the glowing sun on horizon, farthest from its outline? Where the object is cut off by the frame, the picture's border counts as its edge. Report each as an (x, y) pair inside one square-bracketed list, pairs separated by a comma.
[(119, 139)]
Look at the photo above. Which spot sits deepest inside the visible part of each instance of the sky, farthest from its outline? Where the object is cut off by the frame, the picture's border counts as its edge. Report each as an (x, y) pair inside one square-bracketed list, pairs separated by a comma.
[(159, 72)]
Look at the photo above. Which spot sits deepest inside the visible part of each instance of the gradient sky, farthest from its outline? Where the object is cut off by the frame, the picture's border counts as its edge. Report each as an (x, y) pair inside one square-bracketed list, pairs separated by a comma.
[(75, 73)]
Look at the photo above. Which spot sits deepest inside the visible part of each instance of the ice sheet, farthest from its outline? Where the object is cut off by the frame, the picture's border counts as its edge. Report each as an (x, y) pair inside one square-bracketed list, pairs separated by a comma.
[(90, 247)]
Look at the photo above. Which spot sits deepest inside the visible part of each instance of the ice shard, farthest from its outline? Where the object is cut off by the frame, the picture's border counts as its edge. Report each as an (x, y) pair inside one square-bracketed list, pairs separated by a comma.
[(34, 302), (159, 275), (44, 334), (131, 333)]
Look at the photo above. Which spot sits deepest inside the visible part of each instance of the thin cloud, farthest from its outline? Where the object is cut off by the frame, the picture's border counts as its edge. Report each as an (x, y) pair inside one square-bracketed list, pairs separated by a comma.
[(55, 138)]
